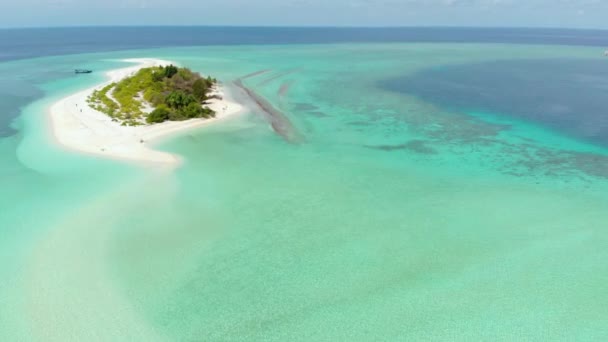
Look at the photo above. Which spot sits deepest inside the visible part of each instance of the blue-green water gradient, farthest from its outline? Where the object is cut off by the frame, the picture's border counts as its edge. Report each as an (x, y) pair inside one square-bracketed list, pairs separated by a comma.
[(396, 216)]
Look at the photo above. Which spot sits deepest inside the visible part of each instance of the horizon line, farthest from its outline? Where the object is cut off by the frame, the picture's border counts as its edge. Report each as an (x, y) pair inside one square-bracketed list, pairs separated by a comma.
[(305, 27)]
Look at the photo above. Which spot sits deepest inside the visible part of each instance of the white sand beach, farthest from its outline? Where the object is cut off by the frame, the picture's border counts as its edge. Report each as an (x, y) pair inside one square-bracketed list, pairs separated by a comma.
[(78, 127)]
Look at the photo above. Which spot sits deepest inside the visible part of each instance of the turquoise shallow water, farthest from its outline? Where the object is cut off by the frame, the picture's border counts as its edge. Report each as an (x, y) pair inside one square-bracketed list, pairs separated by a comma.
[(392, 218)]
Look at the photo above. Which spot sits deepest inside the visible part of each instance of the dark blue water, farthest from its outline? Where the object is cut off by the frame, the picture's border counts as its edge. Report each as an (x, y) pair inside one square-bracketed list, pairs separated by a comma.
[(570, 96), (14, 95), (16, 91), (26, 43)]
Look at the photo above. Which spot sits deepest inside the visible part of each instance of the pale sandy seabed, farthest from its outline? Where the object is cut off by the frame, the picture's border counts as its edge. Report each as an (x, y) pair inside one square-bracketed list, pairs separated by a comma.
[(395, 219), (55, 312)]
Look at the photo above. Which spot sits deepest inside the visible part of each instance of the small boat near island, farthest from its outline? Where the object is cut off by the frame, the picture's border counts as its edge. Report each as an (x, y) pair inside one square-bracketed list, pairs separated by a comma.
[(82, 71)]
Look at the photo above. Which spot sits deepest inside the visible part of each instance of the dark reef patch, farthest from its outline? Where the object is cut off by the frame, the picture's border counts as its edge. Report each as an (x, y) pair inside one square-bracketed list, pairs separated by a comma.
[(308, 109), (317, 114), (568, 95), (14, 95), (284, 89), (304, 107), (276, 76), (417, 146), (358, 123), (279, 122), (255, 73)]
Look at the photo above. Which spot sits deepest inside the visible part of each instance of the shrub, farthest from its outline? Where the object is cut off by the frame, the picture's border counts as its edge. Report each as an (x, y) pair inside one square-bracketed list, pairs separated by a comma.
[(157, 99), (193, 110), (208, 113), (177, 115), (160, 114), (170, 70), (199, 89), (157, 76), (179, 99), (186, 74)]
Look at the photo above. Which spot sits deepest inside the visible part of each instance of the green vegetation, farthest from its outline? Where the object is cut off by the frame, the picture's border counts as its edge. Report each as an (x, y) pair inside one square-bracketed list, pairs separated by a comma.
[(172, 93)]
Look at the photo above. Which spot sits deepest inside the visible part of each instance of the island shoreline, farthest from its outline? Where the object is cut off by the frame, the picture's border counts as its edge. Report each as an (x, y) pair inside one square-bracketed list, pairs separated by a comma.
[(77, 127)]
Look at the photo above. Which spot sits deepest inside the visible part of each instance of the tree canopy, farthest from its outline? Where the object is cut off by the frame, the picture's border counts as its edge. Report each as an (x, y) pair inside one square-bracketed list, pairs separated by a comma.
[(174, 94)]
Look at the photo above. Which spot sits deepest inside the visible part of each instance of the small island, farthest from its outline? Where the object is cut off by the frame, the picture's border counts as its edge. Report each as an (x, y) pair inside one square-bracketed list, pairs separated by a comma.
[(156, 94), (136, 107)]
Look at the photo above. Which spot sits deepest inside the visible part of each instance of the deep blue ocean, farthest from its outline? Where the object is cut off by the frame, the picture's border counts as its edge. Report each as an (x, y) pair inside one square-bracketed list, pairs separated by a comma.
[(568, 95), (571, 100), (37, 42), (16, 91)]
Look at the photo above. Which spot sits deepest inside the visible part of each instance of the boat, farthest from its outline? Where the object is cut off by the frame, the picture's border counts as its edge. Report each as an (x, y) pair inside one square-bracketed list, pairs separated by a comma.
[(83, 71)]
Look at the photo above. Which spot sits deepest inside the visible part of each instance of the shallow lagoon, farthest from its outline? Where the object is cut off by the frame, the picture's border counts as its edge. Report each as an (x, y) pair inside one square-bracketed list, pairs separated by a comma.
[(397, 216)]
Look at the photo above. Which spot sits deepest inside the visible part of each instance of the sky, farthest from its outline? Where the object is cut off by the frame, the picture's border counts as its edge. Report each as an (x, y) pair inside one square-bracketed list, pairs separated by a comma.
[(503, 13)]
